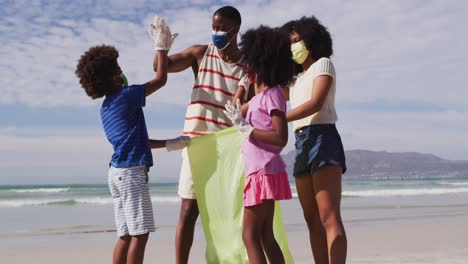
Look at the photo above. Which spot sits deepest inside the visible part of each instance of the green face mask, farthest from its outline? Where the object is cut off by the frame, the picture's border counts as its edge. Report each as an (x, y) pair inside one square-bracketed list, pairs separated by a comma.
[(299, 52), (124, 80)]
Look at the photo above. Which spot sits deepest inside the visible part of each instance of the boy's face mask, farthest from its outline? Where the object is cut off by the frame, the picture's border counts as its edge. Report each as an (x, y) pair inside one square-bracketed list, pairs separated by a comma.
[(220, 39), (124, 80), (299, 52)]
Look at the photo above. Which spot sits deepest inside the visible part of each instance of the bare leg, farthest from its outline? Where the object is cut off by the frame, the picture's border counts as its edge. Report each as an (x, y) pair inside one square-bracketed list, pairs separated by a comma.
[(136, 251), (270, 245), (185, 229), (254, 217), (327, 184), (317, 235), (120, 250)]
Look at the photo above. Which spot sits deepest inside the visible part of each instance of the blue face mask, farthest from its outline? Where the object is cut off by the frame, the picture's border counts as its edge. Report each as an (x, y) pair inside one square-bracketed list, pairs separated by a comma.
[(220, 39)]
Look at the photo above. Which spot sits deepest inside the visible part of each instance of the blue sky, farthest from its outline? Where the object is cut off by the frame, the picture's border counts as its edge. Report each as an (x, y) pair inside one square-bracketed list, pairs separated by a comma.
[(401, 77)]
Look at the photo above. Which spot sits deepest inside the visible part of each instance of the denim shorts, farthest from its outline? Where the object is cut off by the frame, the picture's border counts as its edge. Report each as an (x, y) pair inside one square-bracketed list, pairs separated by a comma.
[(317, 146)]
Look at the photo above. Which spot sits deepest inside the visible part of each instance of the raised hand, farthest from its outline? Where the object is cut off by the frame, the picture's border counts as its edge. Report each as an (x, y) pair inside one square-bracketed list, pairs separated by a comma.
[(161, 34)]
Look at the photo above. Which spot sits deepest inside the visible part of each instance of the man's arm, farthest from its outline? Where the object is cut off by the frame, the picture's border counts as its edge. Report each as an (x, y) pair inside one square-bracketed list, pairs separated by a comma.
[(245, 92), (240, 93), (191, 57)]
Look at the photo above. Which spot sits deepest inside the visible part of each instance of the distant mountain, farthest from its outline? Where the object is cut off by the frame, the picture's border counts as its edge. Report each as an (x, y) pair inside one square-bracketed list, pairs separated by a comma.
[(382, 164)]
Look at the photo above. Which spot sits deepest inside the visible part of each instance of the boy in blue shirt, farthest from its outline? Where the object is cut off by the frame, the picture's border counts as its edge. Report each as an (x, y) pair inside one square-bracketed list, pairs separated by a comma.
[(124, 124)]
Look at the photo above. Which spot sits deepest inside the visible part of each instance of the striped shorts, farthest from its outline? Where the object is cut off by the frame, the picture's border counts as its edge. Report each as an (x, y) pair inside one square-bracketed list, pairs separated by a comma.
[(132, 202)]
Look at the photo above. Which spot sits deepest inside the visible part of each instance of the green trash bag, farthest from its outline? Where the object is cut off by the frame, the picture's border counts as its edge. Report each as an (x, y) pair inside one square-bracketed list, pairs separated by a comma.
[(218, 177)]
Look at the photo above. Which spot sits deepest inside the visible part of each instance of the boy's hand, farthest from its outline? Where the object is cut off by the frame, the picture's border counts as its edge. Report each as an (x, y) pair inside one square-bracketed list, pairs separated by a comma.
[(177, 143), (235, 114), (161, 35)]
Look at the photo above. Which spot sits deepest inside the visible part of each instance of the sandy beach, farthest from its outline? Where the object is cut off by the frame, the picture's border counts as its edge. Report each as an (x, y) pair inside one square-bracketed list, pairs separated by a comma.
[(395, 234)]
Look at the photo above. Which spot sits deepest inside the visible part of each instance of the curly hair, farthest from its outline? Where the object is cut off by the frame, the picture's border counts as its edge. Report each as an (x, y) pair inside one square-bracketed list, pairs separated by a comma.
[(316, 36), (267, 53), (97, 69)]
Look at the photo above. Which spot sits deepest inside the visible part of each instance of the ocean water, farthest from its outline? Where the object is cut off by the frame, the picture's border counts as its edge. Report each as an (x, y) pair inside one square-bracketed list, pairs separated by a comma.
[(59, 209), (98, 194)]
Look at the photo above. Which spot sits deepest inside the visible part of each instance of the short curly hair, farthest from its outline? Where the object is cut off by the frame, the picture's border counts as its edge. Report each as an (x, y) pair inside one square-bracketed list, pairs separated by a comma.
[(316, 36), (229, 12), (267, 53), (97, 69)]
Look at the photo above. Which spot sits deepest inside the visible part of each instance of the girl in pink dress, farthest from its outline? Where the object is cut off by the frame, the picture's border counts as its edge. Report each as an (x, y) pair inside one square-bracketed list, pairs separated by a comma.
[(267, 53)]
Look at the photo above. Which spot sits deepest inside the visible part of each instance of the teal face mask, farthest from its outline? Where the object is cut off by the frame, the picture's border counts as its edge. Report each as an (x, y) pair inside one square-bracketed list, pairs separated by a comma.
[(124, 80)]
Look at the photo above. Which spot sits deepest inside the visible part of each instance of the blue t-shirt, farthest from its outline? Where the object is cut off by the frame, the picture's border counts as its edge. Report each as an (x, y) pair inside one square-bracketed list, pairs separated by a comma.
[(124, 124)]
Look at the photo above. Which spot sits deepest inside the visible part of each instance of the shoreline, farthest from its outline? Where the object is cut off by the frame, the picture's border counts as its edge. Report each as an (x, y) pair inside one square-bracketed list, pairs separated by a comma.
[(403, 241)]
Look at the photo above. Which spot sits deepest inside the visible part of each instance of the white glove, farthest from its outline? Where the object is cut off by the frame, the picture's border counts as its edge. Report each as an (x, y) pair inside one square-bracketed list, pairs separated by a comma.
[(177, 143), (235, 114), (161, 35)]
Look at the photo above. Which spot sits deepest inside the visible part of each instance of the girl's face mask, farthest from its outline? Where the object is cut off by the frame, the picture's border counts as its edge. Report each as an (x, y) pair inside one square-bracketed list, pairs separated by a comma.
[(299, 52)]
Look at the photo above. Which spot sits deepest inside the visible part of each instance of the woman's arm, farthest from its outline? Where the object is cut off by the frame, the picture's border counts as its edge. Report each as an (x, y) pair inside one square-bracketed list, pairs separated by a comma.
[(278, 135), (321, 86)]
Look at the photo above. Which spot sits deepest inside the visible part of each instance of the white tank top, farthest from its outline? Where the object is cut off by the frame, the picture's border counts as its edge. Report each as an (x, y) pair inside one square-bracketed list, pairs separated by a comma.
[(216, 84)]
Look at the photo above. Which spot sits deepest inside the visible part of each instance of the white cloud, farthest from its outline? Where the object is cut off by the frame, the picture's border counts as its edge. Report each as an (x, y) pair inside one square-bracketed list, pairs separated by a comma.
[(410, 51), (398, 49)]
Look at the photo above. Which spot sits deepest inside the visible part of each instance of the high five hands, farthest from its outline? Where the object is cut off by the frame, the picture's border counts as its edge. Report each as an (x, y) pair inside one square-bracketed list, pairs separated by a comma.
[(161, 34)]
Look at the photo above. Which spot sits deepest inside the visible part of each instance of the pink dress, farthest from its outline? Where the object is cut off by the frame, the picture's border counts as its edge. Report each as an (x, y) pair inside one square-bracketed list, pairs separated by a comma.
[(265, 170)]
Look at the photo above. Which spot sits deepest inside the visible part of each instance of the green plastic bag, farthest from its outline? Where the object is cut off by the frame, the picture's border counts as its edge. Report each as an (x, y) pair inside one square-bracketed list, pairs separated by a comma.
[(218, 177)]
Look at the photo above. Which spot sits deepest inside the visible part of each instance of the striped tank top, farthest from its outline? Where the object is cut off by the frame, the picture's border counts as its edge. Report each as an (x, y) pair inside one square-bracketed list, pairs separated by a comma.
[(216, 84)]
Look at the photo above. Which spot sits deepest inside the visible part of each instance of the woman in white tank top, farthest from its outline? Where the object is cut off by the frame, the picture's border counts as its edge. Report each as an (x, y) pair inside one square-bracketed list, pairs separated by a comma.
[(320, 160)]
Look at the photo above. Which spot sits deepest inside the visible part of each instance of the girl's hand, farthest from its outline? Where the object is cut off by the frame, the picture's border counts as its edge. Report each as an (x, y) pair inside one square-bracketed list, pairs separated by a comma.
[(235, 115)]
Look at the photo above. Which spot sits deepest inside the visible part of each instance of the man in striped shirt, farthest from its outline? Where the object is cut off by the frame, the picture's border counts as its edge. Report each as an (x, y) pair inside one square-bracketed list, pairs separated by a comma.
[(218, 69)]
